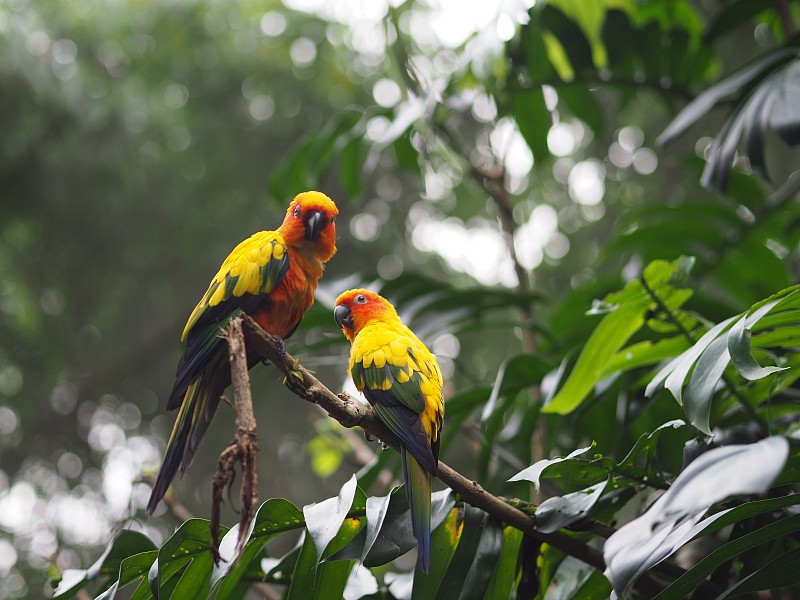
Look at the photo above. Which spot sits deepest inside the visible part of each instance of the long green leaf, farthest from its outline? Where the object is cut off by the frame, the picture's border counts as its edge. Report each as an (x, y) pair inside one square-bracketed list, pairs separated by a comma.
[(505, 570), (274, 516), (706, 100), (190, 540), (675, 517), (324, 519), (453, 581), (560, 511), (444, 540), (739, 345), (692, 578)]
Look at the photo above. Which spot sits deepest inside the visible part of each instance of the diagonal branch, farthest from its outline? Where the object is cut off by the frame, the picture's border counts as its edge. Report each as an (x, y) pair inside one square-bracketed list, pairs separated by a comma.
[(350, 413)]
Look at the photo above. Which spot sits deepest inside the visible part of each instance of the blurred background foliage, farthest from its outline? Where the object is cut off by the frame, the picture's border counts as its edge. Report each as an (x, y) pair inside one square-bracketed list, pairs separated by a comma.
[(496, 168)]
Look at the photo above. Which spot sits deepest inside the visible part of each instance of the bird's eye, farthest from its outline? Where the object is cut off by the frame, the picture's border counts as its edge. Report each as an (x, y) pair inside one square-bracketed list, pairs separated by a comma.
[(361, 299), (297, 211)]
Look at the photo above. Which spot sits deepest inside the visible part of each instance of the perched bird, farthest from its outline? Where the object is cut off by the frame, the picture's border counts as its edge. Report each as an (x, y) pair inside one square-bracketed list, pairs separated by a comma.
[(270, 276), (402, 381)]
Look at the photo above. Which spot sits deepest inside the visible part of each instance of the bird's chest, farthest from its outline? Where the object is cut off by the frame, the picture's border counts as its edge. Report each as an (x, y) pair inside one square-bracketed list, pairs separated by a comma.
[(288, 302)]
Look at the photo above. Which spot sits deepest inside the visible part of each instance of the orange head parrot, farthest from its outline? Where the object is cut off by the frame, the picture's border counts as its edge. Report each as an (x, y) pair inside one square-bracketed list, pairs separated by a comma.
[(270, 276), (402, 381)]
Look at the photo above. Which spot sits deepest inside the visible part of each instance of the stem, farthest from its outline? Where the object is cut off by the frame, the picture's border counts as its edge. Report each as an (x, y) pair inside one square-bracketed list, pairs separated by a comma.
[(785, 15)]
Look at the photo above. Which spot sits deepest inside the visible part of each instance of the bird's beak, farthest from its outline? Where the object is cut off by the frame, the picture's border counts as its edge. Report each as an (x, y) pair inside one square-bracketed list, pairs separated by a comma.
[(343, 317), (314, 221)]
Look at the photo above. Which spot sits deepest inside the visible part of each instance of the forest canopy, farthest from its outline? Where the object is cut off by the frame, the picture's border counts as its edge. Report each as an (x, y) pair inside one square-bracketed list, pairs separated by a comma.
[(587, 210)]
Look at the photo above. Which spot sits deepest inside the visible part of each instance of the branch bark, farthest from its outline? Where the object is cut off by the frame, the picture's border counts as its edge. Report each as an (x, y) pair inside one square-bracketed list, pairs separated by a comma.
[(243, 448)]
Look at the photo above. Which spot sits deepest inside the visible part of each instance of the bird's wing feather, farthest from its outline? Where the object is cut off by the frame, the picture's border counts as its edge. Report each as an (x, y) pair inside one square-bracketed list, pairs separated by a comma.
[(391, 370), (253, 268)]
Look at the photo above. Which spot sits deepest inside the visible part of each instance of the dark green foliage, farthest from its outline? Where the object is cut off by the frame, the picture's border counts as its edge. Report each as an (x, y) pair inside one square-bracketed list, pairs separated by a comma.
[(648, 332)]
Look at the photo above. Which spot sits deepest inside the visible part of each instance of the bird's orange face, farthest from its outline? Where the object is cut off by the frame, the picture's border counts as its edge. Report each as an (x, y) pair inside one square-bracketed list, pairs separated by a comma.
[(310, 223), (355, 308)]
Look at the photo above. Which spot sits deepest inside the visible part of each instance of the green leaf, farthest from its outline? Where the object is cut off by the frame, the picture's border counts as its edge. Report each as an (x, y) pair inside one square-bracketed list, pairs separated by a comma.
[(702, 383), (444, 540), (326, 580), (782, 571), (711, 96), (274, 516), (611, 333), (396, 536), (132, 568), (674, 373), (535, 471), (487, 554), (454, 578), (324, 519), (505, 570), (624, 314), (126, 544), (692, 578), (571, 37), (560, 511), (596, 587), (748, 510), (646, 444), (533, 119), (673, 519), (195, 579), (643, 354), (739, 345), (190, 540)]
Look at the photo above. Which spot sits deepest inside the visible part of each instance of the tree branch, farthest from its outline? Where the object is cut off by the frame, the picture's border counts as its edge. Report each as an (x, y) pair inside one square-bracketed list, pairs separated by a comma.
[(350, 413), (243, 448)]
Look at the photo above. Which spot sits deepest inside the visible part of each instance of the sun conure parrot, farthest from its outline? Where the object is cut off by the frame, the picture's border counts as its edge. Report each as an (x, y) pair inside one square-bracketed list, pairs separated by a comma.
[(402, 381), (270, 276)]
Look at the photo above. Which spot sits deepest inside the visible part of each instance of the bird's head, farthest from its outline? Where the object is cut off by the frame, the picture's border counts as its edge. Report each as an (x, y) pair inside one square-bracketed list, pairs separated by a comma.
[(309, 224), (355, 309)]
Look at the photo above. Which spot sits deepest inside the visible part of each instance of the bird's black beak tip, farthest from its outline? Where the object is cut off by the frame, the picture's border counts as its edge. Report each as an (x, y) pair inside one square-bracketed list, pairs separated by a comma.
[(342, 315), (314, 222)]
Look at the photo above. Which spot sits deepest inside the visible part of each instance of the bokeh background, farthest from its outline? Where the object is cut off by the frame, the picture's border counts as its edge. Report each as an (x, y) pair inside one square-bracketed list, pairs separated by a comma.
[(140, 141)]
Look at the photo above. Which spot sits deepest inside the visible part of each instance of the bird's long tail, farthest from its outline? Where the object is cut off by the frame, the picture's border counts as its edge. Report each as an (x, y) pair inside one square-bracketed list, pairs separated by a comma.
[(418, 492), (194, 416)]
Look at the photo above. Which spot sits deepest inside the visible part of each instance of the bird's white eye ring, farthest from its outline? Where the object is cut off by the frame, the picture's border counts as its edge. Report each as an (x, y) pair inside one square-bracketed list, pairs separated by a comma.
[(297, 211), (361, 299)]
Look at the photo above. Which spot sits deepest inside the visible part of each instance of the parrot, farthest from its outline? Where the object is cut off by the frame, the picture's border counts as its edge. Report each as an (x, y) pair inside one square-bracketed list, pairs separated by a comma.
[(272, 277), (403, 383)]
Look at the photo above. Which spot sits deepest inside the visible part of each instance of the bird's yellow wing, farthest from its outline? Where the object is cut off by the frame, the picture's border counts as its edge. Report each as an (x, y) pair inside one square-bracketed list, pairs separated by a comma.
[(254, 268), (402, 381)]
